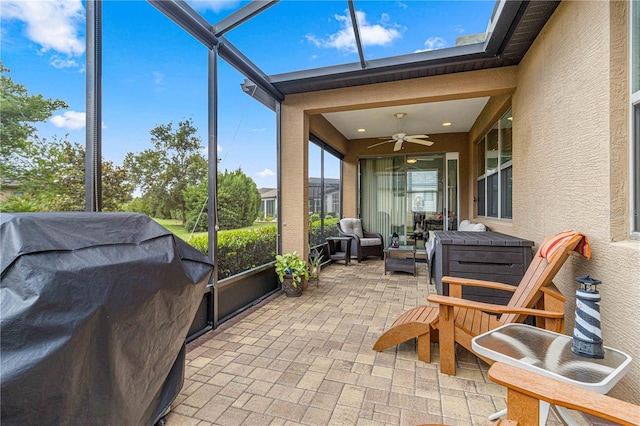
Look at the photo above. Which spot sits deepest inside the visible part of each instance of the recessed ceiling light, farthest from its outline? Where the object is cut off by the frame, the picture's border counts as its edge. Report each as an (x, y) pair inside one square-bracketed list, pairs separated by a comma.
[(362, 130), (447, 124)]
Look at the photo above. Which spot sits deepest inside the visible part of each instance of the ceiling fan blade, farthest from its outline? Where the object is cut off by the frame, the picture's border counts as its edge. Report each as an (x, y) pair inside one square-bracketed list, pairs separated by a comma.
[(380, 143), (416, 136), (418, 141), (398, 145)]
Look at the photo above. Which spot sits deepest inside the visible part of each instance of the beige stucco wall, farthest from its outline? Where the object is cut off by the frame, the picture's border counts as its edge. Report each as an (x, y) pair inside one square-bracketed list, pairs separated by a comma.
[(570, 147)]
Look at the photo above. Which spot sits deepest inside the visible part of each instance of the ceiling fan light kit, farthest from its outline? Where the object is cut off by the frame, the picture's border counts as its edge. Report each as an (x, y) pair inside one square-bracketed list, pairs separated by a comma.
[(400, 137)]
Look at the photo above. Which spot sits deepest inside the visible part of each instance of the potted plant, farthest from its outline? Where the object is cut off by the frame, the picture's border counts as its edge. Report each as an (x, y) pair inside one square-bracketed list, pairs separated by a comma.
[(291, 271), (315, 263)]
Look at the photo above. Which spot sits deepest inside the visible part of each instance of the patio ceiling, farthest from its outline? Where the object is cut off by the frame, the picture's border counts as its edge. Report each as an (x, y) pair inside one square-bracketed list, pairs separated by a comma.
[(421, 118), (511, 29)]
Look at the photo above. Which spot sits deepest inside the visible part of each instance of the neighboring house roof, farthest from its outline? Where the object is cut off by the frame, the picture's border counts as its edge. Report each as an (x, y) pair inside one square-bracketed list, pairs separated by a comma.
[(268, 193)]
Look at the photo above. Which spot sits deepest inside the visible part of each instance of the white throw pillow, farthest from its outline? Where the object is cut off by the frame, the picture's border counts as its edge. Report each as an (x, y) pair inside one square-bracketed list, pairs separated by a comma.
[(477, 227), (464, 225)]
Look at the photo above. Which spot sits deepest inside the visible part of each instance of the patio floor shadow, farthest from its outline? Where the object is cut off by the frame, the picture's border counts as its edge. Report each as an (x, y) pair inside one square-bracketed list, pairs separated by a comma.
[(308, 361)]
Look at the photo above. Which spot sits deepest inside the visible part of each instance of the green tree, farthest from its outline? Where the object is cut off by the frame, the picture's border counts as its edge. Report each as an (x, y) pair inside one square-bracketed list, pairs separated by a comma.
[(52, 179), (238, 202), (163, 173), (195, 197), (19, 110)]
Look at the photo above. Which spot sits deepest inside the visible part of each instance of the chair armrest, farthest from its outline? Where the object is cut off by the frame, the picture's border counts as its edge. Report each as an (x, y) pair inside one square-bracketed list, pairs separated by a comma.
[(552, 291), (372, 235), (489, 307), (478, 283), (556, 392), (354, 236)]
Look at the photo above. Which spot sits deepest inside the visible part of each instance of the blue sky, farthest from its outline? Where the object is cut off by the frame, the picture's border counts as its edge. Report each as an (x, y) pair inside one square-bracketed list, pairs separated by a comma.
[(154, 72)]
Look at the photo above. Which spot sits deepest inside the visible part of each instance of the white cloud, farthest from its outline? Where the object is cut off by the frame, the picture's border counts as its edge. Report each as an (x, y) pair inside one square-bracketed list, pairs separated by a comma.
[(266, 173), (71, 120), (213, 5), (54, 25), (60, 63), (158, 77), (344, 39), (459, 29), (259, 130), (433, 43), (158, 81)]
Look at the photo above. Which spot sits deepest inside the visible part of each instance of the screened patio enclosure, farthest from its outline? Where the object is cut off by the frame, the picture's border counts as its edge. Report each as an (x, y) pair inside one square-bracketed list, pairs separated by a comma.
[(417, 194), (525, 57)]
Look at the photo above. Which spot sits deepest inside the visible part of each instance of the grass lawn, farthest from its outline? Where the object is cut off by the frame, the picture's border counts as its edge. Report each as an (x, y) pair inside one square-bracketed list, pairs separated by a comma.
[(176, 227)]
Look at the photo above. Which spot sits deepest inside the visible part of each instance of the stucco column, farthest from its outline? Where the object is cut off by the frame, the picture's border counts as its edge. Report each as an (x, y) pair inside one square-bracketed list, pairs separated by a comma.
[(350, 185), (295, 186)]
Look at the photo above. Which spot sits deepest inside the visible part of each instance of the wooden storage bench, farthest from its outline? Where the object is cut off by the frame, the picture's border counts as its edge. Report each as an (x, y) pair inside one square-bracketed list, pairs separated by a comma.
[(489, 256)]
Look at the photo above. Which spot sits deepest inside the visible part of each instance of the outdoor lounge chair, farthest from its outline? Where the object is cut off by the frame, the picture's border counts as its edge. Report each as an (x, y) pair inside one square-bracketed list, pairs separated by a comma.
[(364, 243), (457, 320), (525, 389)]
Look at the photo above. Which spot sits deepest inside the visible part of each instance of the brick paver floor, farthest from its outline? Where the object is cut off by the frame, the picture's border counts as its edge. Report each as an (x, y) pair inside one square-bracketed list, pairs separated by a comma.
[(308, 361)]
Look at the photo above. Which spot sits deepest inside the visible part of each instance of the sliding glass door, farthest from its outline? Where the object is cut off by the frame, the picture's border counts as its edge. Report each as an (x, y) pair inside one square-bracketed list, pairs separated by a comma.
[(382, 201), (452, 196), (409, 195)]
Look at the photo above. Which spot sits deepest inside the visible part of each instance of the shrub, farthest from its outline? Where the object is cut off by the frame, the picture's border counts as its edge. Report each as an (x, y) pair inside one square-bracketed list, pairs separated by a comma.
[(315, 230), (240, 250), (20, 203)]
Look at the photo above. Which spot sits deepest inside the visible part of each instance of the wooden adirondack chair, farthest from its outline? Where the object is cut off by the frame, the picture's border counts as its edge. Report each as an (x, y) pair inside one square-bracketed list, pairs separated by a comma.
[(457, 320), (525, 390)]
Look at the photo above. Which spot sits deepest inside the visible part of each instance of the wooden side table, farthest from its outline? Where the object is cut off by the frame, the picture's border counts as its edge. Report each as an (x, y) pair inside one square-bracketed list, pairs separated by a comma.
[(340, 248), (402, 263)]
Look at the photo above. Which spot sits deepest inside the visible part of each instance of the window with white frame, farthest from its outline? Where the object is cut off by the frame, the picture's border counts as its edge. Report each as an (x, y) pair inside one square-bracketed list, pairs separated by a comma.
[(635, 118), (495, 170)]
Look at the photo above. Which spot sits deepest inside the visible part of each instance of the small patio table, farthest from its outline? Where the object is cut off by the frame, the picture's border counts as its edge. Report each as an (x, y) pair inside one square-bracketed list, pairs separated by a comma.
[(402, 264), (549, 354), (340, 248)]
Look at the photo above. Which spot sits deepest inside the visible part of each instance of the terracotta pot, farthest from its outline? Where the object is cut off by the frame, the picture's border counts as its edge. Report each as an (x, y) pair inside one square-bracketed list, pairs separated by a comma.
[(289, 289)]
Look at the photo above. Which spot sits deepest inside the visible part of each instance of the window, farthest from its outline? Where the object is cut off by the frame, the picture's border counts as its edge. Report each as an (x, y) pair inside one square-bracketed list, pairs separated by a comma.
[(495, 170), (325, 190), (635, 118), (480, 167)]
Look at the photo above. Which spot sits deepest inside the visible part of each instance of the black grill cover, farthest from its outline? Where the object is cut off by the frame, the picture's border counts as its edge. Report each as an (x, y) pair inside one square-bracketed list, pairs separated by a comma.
[(94, 311)]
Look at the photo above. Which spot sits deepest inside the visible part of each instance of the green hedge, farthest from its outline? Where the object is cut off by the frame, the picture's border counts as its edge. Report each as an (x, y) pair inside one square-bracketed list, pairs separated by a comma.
[(330, 230), (241, 249)]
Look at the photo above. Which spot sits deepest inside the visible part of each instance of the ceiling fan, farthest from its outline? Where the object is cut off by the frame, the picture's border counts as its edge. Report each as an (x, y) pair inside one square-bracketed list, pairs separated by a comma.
[(401, 137)]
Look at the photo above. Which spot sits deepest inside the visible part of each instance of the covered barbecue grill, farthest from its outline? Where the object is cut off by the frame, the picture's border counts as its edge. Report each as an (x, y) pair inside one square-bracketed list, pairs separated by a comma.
[(94, 311)]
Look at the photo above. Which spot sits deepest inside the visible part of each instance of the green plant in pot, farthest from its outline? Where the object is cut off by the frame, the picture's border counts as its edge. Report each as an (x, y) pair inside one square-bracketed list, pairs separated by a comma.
[(291, 270), (315, 263)]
